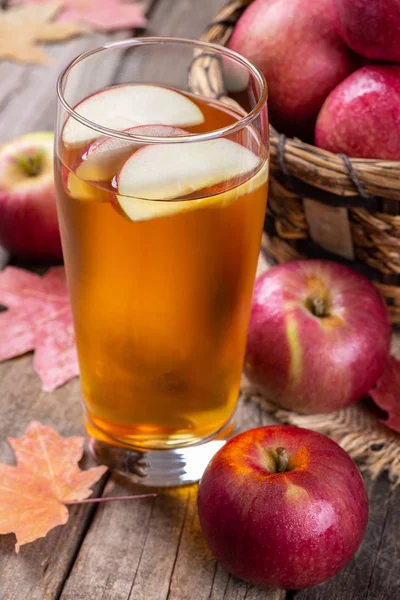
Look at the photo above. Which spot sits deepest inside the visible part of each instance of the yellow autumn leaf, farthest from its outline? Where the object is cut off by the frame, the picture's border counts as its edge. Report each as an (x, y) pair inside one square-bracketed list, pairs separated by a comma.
[(21, 27)]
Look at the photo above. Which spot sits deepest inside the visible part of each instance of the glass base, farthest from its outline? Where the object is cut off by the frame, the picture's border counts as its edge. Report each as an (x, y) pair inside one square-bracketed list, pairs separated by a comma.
[(161, 468)]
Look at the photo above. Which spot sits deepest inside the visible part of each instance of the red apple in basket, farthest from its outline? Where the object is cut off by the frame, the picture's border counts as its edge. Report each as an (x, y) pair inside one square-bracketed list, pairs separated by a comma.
[(282, 506), (319, 336), (361, 116), (28, 216), (296, 45), (370, 27)]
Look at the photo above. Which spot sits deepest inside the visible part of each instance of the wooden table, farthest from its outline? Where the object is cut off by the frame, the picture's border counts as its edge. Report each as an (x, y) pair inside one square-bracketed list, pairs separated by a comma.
[(142, 549)]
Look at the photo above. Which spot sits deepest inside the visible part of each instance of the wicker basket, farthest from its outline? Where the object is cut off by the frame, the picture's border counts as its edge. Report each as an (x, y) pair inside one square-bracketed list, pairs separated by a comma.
[(322, 204)]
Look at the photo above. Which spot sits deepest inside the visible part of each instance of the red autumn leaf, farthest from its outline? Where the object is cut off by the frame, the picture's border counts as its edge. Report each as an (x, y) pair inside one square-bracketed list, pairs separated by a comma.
[(106, 15), (33, 493), (386, 393), (38, 318)]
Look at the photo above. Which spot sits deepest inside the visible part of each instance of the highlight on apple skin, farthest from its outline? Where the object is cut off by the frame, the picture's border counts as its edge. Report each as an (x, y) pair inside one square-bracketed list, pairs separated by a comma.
[(361, 116), (319, 336), (281, 506), (28, 215), (296, 45)]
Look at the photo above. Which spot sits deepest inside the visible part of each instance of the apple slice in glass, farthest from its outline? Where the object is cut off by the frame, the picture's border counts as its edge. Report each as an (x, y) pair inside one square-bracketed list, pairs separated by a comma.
[(125, 106), (156, 175), (83, 191), (104, 156)]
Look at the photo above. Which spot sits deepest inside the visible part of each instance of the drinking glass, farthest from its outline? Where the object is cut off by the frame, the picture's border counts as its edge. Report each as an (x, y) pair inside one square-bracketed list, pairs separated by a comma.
[(161, 169)]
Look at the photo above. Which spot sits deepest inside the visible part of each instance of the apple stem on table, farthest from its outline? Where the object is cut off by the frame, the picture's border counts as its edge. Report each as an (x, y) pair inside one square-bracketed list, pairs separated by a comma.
[(282, 460)]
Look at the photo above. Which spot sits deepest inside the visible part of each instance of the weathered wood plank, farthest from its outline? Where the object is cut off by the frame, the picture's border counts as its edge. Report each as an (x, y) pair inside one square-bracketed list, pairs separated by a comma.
[(39, 569), (384, 581), (145, 549), (28, 98), (129, 549), (175, 18)]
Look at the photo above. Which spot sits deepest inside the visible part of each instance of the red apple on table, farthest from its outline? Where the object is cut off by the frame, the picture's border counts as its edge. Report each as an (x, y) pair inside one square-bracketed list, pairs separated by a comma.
[(282, 506), (28, 216), (319, 336), (370, 27), (361, 116), (296, 45)]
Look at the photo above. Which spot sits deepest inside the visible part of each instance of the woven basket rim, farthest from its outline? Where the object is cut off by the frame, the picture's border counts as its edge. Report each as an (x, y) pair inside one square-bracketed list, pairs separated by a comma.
[(335, 173), (366, 191)]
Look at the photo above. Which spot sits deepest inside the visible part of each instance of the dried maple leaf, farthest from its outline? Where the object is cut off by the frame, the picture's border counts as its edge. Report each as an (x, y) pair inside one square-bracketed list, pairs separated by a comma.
[(33, 493), (106, 15), (386, 393), (22, 26), (38, 317)]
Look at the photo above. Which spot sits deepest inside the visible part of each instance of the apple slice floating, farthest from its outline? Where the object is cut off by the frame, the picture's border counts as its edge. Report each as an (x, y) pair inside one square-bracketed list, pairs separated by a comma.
[(85, 192), (155, 175), (125, 106), (104, 156)]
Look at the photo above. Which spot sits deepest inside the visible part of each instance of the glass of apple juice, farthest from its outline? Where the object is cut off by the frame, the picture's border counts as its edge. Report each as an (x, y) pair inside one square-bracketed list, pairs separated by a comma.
[(161, 192)]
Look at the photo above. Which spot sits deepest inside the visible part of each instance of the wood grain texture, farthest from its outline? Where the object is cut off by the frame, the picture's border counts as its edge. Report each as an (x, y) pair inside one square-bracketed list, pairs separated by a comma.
[(384, 576), (39, 570), (149, 549), (174, 18)]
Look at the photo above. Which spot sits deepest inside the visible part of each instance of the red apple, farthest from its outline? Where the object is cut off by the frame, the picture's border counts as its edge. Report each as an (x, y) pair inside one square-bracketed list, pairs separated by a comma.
[(282, 506), (361, 116), (296, 45), (28, 216), (370, 27), (319, 336)]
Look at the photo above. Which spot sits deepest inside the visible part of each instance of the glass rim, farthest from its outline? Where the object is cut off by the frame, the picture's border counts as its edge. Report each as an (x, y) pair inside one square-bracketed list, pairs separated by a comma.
[(145, 41)]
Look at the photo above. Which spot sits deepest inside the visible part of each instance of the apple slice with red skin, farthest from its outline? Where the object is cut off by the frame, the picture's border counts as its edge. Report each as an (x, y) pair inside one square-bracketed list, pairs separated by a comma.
[(155, 178), (104, 157), (281, 506), (129, 105)]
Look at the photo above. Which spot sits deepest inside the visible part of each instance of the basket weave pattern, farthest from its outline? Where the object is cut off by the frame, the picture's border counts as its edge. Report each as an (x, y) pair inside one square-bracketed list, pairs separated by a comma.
[(321, 204)]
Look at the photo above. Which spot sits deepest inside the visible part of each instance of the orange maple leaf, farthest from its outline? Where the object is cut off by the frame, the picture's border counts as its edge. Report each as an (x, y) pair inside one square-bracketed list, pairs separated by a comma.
[(33, 493)]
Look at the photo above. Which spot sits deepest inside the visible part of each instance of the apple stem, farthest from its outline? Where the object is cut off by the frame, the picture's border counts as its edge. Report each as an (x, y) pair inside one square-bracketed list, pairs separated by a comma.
[(282, 460), (31, 165), (317, 306)]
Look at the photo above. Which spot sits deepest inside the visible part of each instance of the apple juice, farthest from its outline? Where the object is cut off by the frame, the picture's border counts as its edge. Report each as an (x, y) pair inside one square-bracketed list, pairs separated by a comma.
[(161, 302)]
